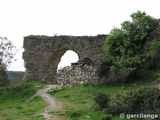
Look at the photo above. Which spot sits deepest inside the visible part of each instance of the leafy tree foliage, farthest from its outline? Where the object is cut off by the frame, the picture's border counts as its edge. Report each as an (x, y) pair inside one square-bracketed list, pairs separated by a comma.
[(123, 47), (6, 55)]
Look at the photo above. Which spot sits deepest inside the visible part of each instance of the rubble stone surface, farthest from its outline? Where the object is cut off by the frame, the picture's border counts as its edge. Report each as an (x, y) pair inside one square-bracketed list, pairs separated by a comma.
[(83, 71)]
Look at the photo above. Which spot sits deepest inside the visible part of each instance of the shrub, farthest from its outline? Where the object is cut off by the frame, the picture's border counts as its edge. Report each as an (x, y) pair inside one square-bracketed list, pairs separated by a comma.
[(154, 54), (7, 52), (107, 118), (143, 100), (102, 100), (3, 78), (123, 47), (74, 114)]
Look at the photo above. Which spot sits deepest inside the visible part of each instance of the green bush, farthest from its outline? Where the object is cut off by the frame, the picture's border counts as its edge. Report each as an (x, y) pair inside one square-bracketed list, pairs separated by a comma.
[(123, 47), (102, 100), (143, 100), (4, 82), (154, 54), (74, 114), (107, 118)]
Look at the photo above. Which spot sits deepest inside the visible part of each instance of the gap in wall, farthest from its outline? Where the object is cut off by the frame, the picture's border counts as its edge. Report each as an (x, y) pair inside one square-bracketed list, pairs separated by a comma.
[(67, 58)]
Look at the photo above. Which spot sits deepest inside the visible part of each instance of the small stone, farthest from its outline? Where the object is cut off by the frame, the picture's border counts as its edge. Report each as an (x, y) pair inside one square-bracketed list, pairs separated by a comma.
[(88, 117), (38, 86), (81, 82)]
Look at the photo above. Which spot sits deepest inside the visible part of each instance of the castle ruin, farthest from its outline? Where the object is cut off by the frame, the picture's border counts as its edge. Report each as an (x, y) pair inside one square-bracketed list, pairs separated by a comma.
[(42, 54)]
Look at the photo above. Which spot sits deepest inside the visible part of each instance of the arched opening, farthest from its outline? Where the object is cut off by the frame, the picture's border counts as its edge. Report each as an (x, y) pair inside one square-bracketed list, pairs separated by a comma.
[(68, 58)]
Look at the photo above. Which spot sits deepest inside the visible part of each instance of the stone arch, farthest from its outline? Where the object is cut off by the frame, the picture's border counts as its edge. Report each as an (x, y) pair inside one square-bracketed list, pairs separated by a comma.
[(42, 54), (54, 60)]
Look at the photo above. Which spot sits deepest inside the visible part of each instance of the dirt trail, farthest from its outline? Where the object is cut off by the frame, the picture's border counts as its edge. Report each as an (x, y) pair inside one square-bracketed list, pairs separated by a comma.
[(53, 105)]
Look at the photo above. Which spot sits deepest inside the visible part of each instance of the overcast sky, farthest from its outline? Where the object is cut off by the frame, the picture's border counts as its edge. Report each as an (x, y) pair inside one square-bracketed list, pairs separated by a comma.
[(21, 18)]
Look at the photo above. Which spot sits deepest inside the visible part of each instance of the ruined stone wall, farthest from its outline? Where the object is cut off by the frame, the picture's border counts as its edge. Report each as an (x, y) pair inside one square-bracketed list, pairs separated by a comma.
[(78, 73), (42, 54)]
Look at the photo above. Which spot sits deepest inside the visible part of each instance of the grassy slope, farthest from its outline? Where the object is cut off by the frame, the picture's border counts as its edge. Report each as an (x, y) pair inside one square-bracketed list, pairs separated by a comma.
[(78, 101), (13, 104)]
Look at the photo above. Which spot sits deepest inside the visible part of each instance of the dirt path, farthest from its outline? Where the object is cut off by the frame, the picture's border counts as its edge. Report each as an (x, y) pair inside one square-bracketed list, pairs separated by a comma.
[(53, 105)]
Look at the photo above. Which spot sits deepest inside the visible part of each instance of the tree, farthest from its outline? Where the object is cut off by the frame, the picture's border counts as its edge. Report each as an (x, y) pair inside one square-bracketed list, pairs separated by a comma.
[(6, 56), (123, 47)]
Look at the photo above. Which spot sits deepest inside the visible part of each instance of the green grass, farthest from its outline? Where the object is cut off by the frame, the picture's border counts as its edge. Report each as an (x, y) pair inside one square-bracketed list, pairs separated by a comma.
[(78, 101), (14, 104)]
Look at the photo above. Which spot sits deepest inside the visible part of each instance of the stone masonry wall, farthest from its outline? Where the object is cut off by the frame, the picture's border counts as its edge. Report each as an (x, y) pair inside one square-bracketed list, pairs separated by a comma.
[(42, 54), (78, 73)]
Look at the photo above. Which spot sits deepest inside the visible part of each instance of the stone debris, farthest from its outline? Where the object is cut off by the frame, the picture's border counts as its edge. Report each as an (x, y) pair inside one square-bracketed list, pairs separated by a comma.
[(78, 73), (38, 86)]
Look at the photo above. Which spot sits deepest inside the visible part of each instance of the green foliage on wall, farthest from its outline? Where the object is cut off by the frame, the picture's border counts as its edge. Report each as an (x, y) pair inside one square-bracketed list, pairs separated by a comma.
[(123, 47)]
